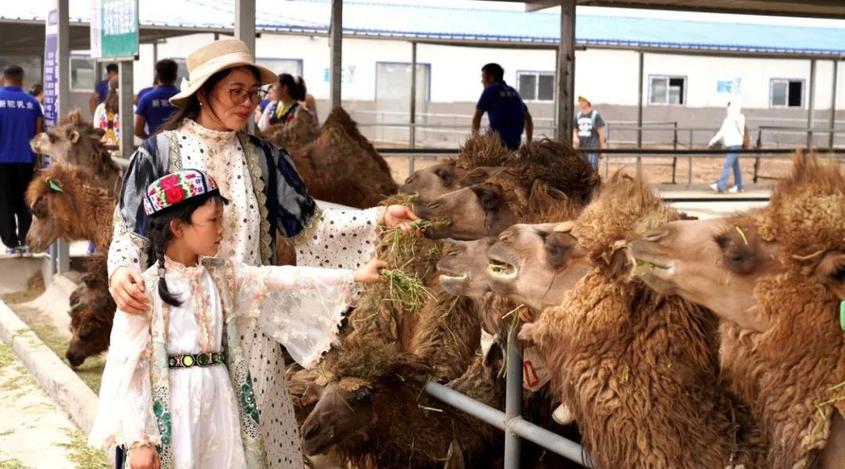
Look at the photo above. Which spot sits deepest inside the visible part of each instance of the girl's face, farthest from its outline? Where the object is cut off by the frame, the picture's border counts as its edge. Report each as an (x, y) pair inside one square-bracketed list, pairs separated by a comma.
[(203, 235)]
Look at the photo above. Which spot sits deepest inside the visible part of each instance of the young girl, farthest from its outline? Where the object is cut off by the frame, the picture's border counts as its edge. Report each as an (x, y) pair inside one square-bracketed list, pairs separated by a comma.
[(176, 390)]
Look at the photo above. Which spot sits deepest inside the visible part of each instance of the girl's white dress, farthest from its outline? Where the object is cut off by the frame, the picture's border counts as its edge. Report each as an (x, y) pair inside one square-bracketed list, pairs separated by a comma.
[(300, 307)]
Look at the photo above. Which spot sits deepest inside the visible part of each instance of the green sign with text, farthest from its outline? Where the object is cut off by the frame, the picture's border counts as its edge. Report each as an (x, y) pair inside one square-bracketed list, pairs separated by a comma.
[(118, 29)]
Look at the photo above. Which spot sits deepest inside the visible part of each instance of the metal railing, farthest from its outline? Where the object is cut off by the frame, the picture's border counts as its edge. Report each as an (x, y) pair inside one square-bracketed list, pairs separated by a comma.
[(511, 421)]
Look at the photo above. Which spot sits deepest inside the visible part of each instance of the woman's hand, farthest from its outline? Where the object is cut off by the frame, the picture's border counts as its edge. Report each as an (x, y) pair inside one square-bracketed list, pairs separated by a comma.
[(370, 272), (144, 457), (127, 288), (399, 215)]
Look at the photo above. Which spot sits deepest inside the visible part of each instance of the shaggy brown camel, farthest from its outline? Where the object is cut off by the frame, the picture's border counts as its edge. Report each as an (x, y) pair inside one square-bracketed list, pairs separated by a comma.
[(785, 351), (69, 202), (543, 174), (91, 313), (341, 166), (639, 371), (77, 142), (478, 158), (302, 131)]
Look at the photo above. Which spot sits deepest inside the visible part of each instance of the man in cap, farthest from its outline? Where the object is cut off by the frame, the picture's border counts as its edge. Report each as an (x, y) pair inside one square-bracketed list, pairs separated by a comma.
[(589, 131)]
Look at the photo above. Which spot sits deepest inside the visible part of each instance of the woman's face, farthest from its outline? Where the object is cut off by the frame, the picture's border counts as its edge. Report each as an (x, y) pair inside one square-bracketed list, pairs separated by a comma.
[(282, 91), (233, 98), (276, 92)]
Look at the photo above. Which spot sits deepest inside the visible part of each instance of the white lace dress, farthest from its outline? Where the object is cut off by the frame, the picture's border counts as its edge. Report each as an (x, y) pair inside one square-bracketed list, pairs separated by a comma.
[(343, 239), (300, 307)]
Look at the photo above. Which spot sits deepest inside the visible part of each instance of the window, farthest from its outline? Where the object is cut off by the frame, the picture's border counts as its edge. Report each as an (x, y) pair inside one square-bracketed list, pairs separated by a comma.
[(667, 90), (786, 93), (279, 66), (82, 74), (536, 86)]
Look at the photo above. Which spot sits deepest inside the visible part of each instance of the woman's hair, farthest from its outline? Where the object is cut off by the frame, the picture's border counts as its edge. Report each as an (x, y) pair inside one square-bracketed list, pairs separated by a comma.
[(36, 89), (296, 86), (159, 233), (112, 99), (191, 109)]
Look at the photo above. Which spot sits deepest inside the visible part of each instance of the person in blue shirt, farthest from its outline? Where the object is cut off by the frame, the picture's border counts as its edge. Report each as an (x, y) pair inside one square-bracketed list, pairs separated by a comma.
[(154, 107), (145, 90), (507, 113), (20, 120), (101, 89)]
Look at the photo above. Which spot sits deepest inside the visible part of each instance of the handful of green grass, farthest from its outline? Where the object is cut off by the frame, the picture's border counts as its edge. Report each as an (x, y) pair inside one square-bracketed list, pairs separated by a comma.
[(403, 289)]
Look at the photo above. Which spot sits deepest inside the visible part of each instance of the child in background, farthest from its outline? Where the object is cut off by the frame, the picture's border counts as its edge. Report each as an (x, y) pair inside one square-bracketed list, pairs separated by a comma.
[(176, 391)]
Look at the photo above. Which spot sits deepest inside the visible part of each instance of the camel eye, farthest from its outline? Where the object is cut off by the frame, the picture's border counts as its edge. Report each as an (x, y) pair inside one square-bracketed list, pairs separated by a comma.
[(488, 200), (839, 273), (446, 176)]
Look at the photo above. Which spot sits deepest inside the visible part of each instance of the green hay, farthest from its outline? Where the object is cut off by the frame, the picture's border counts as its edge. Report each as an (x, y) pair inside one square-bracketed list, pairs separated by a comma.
[(79, 453), (12, 464), (7, 357), (401, 289), (90, 372)]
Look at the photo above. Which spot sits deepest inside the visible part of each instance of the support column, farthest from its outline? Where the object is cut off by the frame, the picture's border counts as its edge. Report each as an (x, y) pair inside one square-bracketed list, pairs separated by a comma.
[(336, 44), (60, 252), (126, 80), (513, 398), (245, 31), (832, 136), (640, 104), (245, 23), (566, 71), (413, 109), (811, 104)]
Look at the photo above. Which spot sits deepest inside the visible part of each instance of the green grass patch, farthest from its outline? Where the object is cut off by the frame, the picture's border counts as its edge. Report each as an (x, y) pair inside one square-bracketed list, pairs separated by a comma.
[(12, 464), (82, 455)]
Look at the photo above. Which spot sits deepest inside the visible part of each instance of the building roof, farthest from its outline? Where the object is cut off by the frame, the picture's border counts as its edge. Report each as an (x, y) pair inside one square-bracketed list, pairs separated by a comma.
[(502, 25)]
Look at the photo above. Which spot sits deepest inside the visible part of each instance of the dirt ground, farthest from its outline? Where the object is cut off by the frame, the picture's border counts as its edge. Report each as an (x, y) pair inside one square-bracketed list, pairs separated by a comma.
[(656, 170)]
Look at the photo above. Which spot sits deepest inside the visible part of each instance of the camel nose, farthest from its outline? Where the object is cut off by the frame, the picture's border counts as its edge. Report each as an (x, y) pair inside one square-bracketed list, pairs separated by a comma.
[(310, 429), (411, 179)]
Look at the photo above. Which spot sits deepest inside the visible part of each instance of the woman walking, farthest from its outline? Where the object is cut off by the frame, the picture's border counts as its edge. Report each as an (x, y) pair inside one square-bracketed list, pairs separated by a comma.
[(267, 198)]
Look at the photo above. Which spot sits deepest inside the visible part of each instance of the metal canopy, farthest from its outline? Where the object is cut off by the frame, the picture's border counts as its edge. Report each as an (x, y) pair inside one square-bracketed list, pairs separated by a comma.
[(829, 9)]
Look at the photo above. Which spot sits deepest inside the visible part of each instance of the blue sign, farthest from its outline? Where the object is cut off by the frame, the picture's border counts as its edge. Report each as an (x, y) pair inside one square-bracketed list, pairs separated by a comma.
[(725, 86), (51, 68)]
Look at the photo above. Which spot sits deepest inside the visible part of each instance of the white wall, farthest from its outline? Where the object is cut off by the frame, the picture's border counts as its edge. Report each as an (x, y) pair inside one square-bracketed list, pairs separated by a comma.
[(605, 76)]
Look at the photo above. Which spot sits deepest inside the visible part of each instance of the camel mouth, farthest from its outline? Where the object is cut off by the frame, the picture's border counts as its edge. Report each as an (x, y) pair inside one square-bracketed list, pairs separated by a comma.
[(501, 270), (648, 265)]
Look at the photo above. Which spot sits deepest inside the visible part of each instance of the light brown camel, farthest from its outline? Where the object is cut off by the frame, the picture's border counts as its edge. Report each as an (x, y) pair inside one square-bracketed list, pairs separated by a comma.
[(639, 371), (77, 142), (782, 342), (478, 158), (544, 173)]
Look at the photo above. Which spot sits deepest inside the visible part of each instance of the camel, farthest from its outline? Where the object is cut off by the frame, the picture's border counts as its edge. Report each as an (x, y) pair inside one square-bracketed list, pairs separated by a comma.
[(478, 158), (782, 346), (69, 202), (341, 166), (91, 313), (77, 142), (542, 174), (639, 371), (302, 131)]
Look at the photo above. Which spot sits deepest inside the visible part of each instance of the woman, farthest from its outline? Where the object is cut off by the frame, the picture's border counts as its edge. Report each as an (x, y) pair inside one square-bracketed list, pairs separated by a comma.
[(287, 101), (267, 198), (107, 117)]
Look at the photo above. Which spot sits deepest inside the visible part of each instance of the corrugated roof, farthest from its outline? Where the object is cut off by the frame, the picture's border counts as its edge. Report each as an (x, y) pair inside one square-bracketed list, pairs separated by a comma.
[(503, 25)]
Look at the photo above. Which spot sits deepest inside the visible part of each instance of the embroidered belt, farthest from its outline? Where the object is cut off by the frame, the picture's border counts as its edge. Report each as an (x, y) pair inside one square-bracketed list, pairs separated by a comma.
[(201, 359)]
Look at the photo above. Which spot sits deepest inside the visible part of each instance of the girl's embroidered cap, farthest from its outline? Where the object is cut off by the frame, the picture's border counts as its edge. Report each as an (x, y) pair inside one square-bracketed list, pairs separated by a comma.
[(170, 190)]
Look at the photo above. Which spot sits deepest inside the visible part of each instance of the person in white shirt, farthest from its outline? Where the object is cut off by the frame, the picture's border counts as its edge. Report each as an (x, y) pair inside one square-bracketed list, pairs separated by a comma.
[(732, 134)]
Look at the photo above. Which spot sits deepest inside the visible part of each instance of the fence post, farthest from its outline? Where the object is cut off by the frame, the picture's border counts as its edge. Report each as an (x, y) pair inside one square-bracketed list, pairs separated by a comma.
[(513, 399)]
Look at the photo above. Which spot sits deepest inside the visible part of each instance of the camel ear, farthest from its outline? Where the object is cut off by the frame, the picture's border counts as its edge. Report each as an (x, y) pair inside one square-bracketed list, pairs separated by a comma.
[(830, 271), (73, 136), (75, 116)]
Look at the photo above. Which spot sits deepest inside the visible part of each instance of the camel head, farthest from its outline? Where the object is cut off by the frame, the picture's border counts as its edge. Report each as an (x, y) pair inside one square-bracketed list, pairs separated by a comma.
[(536, 264), (432, 182), (716, 263), (53, 208), (370, 389), (473, 212), (342, 415), (91, 313), (462, 267), (73, 141)]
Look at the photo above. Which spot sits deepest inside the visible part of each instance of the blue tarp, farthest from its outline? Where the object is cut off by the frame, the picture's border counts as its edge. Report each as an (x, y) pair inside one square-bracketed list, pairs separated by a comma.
[(477, 21)]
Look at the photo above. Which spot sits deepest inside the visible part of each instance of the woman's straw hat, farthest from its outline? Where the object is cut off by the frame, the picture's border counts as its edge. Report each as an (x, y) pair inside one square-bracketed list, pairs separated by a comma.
[(210, 59)]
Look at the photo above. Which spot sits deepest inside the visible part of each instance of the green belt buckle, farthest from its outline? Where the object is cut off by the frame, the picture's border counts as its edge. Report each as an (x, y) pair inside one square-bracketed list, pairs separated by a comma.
[(188, 361)]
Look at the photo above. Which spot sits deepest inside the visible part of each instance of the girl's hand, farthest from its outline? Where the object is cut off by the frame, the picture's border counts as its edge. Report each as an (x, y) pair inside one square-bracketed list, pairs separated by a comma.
[(144, 457), (370, 272), (399, 215), (127, 288)]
